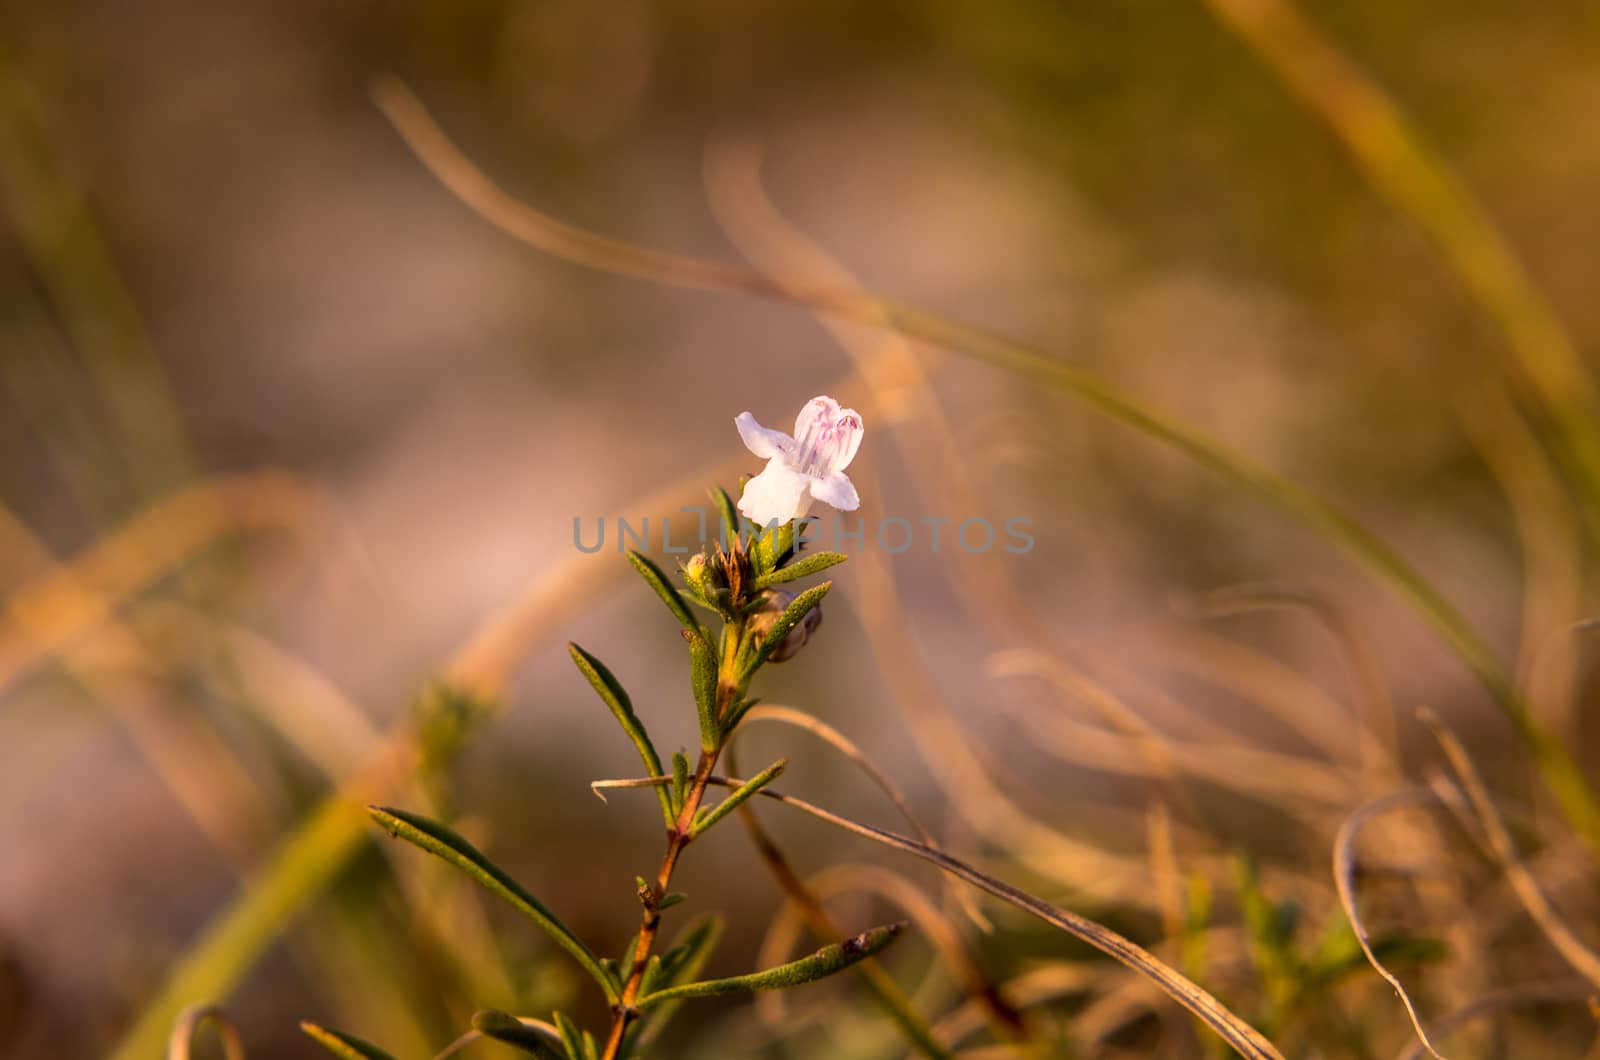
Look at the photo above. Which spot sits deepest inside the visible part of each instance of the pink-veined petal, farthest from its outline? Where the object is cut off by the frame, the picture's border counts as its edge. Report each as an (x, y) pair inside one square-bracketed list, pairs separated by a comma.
[(848, 429), (837, 490), (762, 441), (818, 412), (826, 437), (777, 495)]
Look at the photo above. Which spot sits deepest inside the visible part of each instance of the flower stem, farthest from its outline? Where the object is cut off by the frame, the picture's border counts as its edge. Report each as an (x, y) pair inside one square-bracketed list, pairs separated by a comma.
[(678, 837), (677, 840)]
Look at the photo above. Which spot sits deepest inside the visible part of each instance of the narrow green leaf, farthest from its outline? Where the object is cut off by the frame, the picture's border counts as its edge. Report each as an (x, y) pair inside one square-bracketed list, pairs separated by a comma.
[(441, 841), (611, 692), (823, 963), (571, 1037), (626, 963), (670, 899), (731, 524), (691, 949), (704, 672), (652, 974), (512, 1031), (736, 715), (744, 656), (680, 778), (774, 546), (664, 588), (790, 618), (801, 568), (739, 795), (347, 1046), (681, 963)]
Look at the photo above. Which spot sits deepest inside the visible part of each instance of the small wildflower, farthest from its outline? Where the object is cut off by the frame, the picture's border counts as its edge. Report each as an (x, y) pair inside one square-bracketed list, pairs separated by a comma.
[(809, 466)]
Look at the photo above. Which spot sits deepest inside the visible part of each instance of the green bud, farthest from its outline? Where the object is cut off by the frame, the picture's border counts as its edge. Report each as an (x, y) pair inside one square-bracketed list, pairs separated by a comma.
[(701, 577)]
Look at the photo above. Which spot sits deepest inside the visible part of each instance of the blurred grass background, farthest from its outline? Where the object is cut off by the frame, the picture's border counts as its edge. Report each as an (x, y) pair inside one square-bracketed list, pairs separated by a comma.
[(219, 260)]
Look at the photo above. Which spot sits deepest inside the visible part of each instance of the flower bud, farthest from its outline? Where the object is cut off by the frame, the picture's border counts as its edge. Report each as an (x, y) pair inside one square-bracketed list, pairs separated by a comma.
[(701, 577), (774, 603)]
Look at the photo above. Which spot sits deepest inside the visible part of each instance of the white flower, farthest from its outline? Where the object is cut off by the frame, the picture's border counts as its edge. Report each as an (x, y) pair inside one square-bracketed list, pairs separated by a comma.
[(809, 465)]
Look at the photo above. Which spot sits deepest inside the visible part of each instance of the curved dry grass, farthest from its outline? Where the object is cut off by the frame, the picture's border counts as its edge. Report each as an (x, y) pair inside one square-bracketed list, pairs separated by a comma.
[(1503, 848), (1344, 868), (799, 719)]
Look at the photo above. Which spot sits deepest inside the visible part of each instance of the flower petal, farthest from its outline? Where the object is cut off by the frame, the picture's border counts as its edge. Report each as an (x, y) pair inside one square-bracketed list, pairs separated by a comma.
[(818, 412), (826, 437), (837, 490), (777, 495), (762, 441), (848, 431)]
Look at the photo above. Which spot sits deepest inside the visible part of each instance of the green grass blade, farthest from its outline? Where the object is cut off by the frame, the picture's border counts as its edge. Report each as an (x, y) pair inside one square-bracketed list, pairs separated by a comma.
[(1418, 182)]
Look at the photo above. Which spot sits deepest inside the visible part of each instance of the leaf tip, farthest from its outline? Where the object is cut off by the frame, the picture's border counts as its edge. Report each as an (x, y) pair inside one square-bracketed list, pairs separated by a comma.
[(388, 819)]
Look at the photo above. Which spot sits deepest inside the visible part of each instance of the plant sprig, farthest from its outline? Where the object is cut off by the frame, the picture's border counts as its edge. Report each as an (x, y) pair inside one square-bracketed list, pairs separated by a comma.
[(760, 625)]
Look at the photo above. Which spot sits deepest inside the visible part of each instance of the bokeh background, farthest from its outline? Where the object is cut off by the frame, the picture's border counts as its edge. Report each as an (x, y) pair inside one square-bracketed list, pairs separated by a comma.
[(225, 279)]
